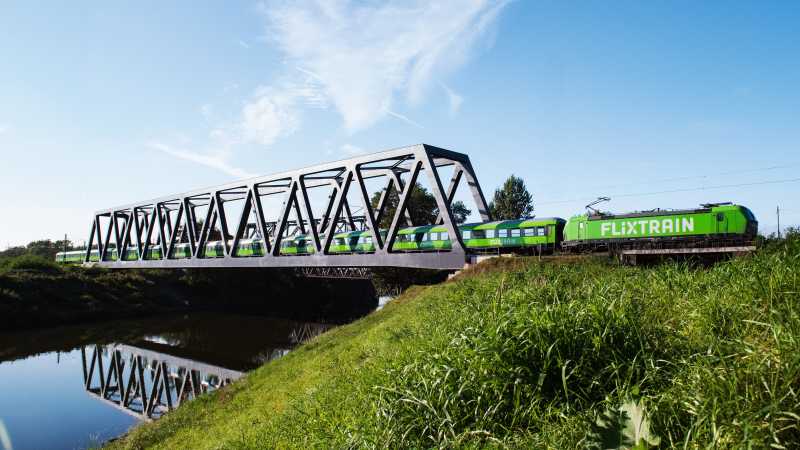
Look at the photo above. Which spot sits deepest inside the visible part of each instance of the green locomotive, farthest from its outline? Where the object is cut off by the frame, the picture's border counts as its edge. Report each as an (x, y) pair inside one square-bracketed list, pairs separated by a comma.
[(710, 225)]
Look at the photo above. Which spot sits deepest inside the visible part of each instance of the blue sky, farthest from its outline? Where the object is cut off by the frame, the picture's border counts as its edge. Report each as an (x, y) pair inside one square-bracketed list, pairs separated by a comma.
[(654, 104)]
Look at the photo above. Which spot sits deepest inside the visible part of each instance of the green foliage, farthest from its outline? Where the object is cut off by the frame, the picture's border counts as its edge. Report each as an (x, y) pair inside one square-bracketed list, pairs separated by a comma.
[(529, 354), (621, 428), (460, 211), (30, 262), (421, 206), (512, 201)]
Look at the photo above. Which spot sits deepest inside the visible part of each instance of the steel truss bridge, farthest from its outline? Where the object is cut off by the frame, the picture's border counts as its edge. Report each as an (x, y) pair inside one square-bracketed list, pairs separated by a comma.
[(191, 218)]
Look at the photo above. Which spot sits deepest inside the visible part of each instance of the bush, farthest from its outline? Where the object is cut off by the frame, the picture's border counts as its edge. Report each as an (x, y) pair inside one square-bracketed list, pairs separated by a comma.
[(32, 263)]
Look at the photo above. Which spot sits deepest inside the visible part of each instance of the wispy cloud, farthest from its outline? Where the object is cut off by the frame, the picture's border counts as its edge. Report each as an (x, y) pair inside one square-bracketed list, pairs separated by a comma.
[(365, 54), (454, 100), (275, 111), (217, 161), (403, 118), (358, 58)]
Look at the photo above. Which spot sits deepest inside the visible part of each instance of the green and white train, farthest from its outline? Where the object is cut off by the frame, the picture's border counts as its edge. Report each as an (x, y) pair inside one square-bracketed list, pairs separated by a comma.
[(710, 225)]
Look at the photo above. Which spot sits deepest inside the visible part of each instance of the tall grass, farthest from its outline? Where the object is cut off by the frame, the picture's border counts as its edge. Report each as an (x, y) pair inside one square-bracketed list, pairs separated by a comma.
[(538, 355)]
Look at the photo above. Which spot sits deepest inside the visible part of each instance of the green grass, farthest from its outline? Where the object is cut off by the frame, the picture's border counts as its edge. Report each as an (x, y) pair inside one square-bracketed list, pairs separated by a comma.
[(522, 354)]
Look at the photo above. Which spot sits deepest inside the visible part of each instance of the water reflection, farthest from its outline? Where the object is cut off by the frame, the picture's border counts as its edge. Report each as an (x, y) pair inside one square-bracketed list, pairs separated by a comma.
[(91, 383), (147, 383)]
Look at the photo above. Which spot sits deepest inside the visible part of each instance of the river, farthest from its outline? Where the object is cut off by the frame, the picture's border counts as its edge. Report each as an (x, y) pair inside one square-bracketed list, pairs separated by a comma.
[(61, 388)]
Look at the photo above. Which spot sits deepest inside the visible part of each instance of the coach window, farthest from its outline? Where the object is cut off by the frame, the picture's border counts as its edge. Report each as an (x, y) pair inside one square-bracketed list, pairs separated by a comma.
[(466, 234), (502, 233), (515, 232), (528, 232), (478, 234), (445, 236), (490, 234), (434, 236)]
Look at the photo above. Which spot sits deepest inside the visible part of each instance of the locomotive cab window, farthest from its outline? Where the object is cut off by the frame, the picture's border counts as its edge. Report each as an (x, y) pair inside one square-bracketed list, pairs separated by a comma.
[(720, 217)]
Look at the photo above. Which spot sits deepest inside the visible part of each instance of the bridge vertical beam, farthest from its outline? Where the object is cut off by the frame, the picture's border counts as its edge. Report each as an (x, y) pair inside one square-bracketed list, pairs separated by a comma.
[(260, 220), (402, 204), (306, 206), (477, 192), (456, 242), (283, 218), (372, 225), (341, 197)]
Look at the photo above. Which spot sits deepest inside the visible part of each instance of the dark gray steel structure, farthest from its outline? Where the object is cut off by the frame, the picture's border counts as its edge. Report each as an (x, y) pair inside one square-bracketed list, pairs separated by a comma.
[(145, 383), (171, 220)]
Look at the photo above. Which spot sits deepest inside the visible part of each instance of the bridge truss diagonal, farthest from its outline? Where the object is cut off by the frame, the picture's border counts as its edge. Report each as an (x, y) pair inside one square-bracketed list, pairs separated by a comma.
[(190, 219)]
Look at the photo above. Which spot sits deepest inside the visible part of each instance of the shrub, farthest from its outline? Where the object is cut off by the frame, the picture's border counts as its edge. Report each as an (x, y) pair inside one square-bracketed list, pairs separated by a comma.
[(32, 263)]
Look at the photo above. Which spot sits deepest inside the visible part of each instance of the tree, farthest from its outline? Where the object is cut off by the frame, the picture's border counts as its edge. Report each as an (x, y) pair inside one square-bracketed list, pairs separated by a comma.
[(460, 212), (512, 201), (421, 207)]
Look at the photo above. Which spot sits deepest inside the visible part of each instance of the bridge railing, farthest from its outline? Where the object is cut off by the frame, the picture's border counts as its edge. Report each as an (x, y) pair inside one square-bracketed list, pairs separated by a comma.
[(192, 219)]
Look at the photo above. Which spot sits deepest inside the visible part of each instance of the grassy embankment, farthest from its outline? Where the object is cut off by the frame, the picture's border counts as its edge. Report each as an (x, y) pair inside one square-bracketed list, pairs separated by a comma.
[(521, 354), (36, 292)]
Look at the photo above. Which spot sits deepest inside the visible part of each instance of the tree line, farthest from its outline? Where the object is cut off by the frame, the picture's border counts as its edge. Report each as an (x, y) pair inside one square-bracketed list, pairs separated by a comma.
[(510, 201)]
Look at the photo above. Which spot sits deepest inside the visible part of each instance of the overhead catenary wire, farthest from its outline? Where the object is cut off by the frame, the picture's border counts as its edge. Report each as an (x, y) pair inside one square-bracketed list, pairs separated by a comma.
[(672, 191), (696, 177)]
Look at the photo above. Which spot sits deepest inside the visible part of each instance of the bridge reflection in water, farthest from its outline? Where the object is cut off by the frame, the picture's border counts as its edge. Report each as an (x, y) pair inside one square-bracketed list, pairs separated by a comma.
[(152, 378)]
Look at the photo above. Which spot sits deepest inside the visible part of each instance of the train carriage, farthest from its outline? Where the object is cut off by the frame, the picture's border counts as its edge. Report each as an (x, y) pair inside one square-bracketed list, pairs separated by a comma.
[(710, 225)]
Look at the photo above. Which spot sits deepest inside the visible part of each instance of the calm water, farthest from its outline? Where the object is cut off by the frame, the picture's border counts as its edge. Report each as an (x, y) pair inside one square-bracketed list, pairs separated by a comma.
[(61, 389)]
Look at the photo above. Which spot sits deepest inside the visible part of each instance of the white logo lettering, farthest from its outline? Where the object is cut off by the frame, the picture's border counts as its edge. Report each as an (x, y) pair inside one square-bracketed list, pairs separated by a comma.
[(631, 227), (604, 228), (688, 224), (655, 227), (666, 226)]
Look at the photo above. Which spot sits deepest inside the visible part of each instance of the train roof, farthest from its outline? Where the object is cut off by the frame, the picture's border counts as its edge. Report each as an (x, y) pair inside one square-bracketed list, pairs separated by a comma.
[(707, 208)]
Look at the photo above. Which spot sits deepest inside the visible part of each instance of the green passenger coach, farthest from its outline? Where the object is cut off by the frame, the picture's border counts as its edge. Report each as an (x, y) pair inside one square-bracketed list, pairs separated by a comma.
[(710, 224)]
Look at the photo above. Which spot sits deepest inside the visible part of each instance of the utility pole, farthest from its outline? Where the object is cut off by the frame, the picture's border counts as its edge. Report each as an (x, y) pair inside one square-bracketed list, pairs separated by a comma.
[(778, 212), (65, 247)]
